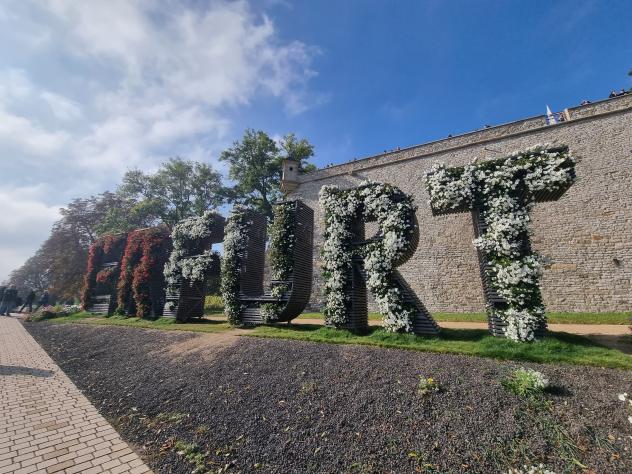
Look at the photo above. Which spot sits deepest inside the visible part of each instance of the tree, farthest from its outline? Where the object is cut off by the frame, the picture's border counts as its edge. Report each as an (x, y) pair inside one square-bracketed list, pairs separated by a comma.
[(256, 167), (59, 263), (299, 151), (179, 189)]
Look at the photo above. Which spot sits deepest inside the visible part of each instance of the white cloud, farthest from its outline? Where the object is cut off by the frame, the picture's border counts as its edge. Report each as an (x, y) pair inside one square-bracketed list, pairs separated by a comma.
[(22, 133), (61, 107), (113, 84), (24, 218)]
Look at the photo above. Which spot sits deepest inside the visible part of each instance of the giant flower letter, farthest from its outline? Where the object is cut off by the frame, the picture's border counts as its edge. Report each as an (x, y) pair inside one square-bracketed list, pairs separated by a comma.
[(245, 302), (191, 261), (351, 264), (500, 194)]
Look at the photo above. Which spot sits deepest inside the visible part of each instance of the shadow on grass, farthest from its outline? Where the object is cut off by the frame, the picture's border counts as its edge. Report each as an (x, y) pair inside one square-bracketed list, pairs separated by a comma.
[(557, 347)]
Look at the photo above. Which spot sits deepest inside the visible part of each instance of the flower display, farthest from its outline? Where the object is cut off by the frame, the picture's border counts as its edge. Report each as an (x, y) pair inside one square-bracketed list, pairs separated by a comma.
[(106, 249), (235, 246), (189, 259), (394, 213), (504, 192), (141, 270), (281, 258), (281, 254)]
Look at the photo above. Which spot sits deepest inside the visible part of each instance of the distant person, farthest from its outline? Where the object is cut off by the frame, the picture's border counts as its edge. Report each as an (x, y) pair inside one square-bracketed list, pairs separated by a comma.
[(8, 301), (623, 92), (612, 94), (43, 301), (30, 298), (585, 102)]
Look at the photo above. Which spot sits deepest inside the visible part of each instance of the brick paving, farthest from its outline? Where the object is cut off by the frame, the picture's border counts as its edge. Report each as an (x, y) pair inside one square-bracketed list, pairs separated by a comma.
[(46, 424)]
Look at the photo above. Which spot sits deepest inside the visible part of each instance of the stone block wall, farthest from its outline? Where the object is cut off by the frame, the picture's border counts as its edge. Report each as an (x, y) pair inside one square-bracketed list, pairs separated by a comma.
[(586, 236)]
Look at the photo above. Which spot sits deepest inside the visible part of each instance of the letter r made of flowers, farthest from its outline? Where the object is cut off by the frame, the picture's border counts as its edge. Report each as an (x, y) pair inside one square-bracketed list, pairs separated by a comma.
[(500, 194), (352, 264)]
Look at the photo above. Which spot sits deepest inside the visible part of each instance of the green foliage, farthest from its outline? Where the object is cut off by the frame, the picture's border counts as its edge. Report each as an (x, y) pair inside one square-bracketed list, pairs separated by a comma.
[(179, 189), (526, 382), (255, 165), (191, 452), (213, 304), (282, 240)]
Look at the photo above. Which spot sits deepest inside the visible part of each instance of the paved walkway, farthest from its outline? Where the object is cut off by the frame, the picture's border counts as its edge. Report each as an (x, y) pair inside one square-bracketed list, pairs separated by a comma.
[(46, 424)]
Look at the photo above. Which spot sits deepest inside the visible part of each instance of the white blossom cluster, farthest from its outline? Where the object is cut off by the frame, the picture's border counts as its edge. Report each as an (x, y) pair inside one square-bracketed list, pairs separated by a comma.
[(370, 202), (282, 243), (235, 245), (186, 236), (504, 192)]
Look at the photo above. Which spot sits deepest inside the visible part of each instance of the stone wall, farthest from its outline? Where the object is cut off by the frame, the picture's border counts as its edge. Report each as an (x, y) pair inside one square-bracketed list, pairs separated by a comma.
[(586, 236)]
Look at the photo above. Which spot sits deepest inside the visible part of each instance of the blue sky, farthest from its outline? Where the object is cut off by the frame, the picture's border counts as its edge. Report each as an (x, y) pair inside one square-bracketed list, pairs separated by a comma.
[(90, 89)]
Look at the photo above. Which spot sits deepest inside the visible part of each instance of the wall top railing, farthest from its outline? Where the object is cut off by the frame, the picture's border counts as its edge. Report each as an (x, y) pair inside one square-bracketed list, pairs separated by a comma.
[(476, 137)]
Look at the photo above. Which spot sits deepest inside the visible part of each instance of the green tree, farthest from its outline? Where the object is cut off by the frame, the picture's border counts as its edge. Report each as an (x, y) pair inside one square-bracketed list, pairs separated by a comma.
[(179, 189), (60, 262), (256, 167)]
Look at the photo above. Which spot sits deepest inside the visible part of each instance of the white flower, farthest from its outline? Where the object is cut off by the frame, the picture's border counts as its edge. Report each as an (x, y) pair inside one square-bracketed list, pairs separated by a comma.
[(505, 191), (623, 396)]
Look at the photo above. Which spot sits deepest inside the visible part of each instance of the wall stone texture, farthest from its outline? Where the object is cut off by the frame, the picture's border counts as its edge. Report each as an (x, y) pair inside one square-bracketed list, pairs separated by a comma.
[(585, 237)]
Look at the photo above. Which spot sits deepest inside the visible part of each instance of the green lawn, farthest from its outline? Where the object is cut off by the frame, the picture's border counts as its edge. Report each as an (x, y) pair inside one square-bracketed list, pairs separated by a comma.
[(168, 324), (553, 318), (556, 348)]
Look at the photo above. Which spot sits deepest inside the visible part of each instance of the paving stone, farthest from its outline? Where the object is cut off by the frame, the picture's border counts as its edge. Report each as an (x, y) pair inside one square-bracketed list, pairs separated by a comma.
[(46, 424)]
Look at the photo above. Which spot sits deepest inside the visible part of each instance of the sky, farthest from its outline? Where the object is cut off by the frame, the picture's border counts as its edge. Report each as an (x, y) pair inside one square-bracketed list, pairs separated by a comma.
[(90, 89)]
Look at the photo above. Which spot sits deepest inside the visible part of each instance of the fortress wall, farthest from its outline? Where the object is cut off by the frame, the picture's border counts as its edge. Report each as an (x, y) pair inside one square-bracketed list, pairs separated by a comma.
[(586, 236)]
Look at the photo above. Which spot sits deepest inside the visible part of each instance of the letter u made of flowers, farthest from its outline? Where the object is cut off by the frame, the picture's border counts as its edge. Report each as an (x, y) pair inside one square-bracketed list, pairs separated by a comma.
[(501, 193), (377, 258), (192, 260)]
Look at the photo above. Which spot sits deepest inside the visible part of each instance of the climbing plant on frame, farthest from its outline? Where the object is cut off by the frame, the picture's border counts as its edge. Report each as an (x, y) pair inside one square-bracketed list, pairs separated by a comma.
[(142, 270), (503, 191), (187, 236), (97, 255), (235, 246)]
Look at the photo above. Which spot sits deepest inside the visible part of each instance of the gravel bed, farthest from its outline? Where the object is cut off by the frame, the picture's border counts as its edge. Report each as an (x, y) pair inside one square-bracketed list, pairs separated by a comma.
[(280, 406)]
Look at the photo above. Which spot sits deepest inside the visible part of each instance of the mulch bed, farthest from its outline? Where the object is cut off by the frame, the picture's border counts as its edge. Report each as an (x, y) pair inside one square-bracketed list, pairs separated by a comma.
[(281, 406)]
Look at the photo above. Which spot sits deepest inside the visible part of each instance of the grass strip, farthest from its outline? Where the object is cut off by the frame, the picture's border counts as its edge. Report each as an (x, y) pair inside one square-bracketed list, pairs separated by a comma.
[(553, 317), (558, 347), (168, 324)]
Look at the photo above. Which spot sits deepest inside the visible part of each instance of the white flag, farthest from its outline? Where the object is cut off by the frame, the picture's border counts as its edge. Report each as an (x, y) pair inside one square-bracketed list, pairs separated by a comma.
[(550, 117)]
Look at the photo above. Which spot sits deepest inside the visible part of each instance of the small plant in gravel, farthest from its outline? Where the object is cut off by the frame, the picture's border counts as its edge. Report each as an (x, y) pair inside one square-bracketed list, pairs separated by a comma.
[(191, 452), (175, 418), (427, 385), (526, 382), (628, 401), (539, 469), (308, 387), (201, 430)]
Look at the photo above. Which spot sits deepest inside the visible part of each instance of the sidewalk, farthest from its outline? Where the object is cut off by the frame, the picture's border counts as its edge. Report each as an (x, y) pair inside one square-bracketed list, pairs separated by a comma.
[(46, 424)]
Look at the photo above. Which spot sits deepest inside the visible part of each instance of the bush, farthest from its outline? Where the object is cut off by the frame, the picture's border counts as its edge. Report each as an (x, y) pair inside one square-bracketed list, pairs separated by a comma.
[(49, 312), (213, 304), (526, 382)]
